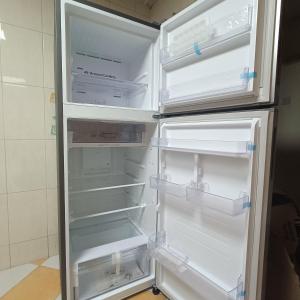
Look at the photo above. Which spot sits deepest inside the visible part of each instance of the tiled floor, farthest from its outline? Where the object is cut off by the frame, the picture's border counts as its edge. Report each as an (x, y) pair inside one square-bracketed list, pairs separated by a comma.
[(40, 281)]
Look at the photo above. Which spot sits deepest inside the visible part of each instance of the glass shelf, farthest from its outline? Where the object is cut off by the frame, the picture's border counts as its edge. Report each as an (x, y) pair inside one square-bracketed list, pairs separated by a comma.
[(201, 198), (104, 236), (209, 147), (102, 183), (203, 37), (88, 82)]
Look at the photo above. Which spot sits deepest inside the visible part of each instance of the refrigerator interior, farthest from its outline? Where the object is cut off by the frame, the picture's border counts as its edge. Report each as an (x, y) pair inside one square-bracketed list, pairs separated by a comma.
[(200, 50), (111, 205), (204, 194), (109, 64)]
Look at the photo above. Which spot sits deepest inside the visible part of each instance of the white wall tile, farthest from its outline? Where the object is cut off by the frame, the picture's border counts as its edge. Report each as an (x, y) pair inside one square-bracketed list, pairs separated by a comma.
[(1, 114), (2, 168), (27, 216), (22, 56), (48, 16), (51, 164), (28, 251), (50, 119), (4, 240), (48, 48), (4, 257), (52, 212), (24, 13), (23, 111), (53, 245), (25, 164)]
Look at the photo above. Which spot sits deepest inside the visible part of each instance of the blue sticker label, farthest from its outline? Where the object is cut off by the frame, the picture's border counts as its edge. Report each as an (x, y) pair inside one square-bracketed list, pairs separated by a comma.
[(248, 75), (251, 147), (197, 48), (242, 294), (247, 205)]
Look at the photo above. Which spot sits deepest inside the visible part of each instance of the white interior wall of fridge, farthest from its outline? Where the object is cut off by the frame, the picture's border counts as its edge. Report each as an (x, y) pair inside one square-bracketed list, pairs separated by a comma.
[(112, 207), (110, 63), (204, 187)]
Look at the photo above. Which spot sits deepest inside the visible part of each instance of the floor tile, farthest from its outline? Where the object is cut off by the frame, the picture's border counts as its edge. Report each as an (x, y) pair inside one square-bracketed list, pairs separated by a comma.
[(52, 262), (147, 295), (11, 277), (41, 284)]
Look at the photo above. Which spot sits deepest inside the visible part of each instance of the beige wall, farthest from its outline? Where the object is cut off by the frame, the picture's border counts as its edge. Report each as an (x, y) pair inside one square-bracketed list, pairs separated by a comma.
[(164, 9), (135, 8)]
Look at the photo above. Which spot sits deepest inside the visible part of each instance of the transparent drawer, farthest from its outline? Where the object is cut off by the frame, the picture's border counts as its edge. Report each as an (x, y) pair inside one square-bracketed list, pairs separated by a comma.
[(106, 273)]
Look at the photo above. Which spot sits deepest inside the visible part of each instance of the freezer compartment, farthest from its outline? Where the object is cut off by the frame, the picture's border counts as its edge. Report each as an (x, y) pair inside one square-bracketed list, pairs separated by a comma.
[(204, 37), (181, 266), (100, 72), (104, 202), (112, 271), (200, 198), (83, 133)]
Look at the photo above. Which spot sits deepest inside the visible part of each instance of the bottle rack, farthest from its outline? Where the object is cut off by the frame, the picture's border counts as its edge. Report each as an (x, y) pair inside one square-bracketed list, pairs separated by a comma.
[(182, 267), (201, 198), (221, 84), (199, 39), (209, 147)]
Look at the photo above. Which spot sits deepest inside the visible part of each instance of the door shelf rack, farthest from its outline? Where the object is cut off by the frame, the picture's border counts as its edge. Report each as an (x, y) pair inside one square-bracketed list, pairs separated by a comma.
[(181, 267), (201, 198), (241, 149), (205, 39)]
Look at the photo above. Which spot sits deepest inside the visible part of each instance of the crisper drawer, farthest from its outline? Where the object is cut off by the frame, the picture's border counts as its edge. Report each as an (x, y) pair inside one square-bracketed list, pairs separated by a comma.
[(112, 271)]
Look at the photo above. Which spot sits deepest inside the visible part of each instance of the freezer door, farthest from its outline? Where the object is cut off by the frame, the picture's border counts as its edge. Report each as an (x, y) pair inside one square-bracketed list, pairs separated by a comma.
[(213, 186), (219, 53)]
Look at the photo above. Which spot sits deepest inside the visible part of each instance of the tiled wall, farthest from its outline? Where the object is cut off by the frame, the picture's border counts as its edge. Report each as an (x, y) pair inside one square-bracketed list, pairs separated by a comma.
[(28, 202)]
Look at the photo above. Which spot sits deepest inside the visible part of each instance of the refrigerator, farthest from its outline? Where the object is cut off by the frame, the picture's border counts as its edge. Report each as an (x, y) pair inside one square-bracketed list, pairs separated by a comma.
[(164, 147)]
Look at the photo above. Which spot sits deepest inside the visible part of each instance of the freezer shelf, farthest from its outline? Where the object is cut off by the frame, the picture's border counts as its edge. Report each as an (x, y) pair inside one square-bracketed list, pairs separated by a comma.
[(102, 182), (201, 198), (97, 83), (204, 39), (113, 271), (108, 234), (209, 147), (221, 84), (181, 267)]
